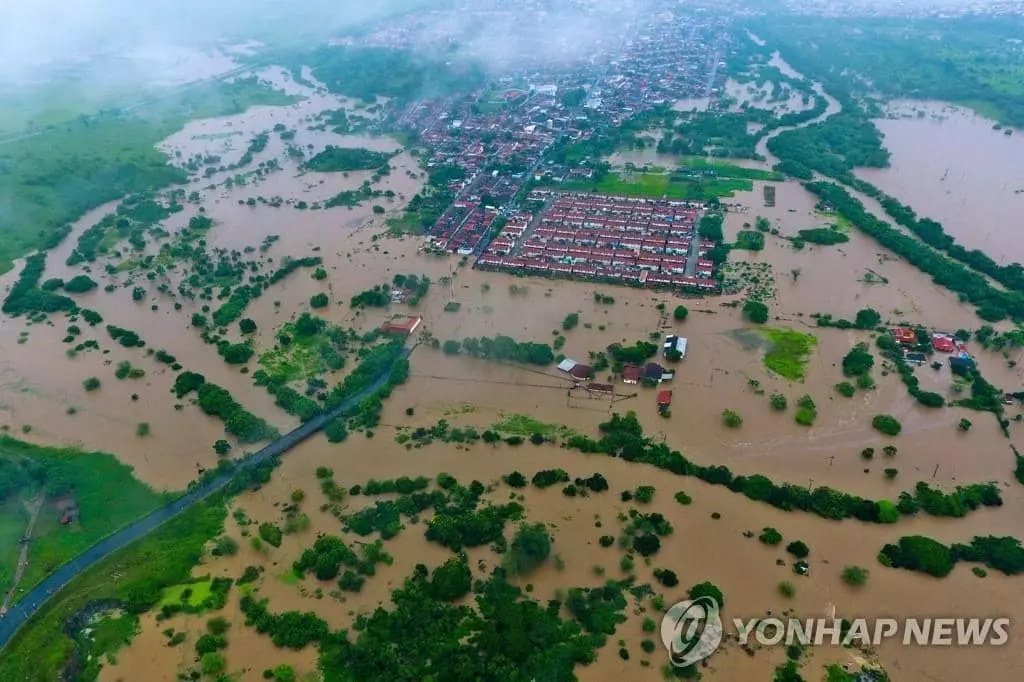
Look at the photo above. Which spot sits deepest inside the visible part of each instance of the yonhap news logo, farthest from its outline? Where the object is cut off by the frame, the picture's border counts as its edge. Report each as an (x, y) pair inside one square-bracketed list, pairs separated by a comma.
[(692, 630)]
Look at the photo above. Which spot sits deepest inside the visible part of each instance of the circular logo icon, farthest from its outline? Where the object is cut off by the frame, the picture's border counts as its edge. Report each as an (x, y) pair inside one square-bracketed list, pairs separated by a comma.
[(691, 630)]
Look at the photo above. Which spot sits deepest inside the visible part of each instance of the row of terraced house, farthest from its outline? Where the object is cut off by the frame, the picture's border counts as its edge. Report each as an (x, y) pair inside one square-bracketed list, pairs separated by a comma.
[(627, 239)]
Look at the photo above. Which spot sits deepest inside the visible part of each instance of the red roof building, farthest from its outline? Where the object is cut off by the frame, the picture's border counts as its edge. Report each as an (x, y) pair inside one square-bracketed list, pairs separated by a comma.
[(631, 374), (401, 325), (905, 335), (943, 344), (664, 397)]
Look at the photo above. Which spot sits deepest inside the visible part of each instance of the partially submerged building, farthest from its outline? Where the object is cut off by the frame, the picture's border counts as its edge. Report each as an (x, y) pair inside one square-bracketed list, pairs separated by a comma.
[(401, 326)]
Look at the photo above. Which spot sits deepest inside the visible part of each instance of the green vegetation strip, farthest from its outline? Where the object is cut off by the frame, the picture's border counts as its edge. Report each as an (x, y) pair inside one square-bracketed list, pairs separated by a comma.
[(623, 437)]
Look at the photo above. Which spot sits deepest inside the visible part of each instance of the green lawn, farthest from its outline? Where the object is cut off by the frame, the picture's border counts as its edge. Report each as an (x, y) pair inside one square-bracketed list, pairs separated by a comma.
[(788, 352), (138, 574), (657, 185), (107, 494)]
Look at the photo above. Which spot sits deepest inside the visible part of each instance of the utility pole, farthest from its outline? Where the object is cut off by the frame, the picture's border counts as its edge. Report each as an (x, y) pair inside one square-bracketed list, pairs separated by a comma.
[(936, 471)]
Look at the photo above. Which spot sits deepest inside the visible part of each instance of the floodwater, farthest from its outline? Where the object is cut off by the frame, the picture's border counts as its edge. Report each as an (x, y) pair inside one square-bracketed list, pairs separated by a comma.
[(950, 165), (700, 549), (42, 385), (724, 355), (762, 96)]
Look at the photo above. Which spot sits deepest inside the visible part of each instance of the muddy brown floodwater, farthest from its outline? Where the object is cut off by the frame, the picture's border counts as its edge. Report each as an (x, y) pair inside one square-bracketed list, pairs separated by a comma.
[(724, 359), (950, 165)]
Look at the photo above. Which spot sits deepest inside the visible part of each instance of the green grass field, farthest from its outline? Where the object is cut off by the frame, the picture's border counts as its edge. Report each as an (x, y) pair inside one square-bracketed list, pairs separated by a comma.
[(789, 352), (730, 170), (51, 179), (107, 494), (13, 518), (525, 425), (139, 574), (200, 591), (657, 185)]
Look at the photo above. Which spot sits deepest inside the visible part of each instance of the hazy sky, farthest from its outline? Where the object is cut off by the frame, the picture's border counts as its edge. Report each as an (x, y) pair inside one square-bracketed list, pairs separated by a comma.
[(34, 33)]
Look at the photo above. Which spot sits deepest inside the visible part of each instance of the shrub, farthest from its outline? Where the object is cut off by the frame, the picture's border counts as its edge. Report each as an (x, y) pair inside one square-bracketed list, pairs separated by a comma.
[(79, 284), (798, 549), (755, 311), (845, 389), (777, 401), (645, 494), (731, 419), (858, 361), (806, 411), (666, 577), (271, 534), (515, 480), (929, 399), (887, 424), (319, 301), (530, 547), (786, 589), (682, 498), (855, 576), (770, 536), (91, 384), (707, 589), (918, 553)]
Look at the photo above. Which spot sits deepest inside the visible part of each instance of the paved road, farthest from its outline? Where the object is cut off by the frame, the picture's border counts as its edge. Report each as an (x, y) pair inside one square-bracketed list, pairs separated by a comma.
[(34, 600)]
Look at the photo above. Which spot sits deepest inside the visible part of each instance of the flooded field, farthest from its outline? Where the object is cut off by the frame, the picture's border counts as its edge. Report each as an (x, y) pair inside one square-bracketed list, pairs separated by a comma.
[(701, 549), (950, 165), (259, 218)]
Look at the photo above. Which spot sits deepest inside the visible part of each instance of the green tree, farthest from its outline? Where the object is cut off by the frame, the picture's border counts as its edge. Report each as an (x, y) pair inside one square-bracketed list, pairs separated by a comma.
[(798, 549), (222, 447), (530, 547), (319, 301), (707, 589), (770, 536), (887, 424), (755, 311), (680, 313), (246, 325)]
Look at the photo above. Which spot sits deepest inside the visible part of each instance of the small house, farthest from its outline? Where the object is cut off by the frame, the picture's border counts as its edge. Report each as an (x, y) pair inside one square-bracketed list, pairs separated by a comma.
[(401, 325), (654, 372), (943, 344), (631, 374), (581, 371), (567, 365), (905, 335)]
